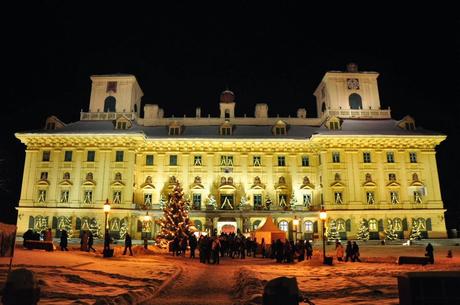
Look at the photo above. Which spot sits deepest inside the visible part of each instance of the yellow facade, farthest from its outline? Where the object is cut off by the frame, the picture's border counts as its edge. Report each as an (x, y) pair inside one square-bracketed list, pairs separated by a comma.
[(353, 175)]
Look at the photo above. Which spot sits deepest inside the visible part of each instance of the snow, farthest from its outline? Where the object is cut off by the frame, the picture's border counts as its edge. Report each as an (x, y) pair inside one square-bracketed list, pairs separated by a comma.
[(155, 277)]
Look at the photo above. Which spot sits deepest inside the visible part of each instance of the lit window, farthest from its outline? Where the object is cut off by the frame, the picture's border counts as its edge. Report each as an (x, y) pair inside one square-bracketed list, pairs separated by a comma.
[(366, 157), (257, 201), (284, 226), (226, 131), (334, 126), (338, 197), (117, 197), (256, 161), (119, 156), (280, 130), (307, 200), (46, 155), (308, 226), (88, 196), (68, 155), (305, 161), (122, 125), (174, 131), (413, 157), (44, 176), (370, 197), (173, 160), (65, 196), (392, 177), (196, 201), (373, 225), (226, 160), (90, 156), (390, 157), (336, 157), (394, 198), (149, 160), (281, 161), (341, 225), (41, 195), (197, 161)]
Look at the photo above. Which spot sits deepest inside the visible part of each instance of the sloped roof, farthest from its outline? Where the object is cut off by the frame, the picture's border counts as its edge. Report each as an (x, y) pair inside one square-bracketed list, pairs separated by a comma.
[(269, 226)]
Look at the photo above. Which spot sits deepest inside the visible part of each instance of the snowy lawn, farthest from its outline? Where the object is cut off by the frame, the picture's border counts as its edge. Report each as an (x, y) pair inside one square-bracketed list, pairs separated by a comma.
[(77, 277)]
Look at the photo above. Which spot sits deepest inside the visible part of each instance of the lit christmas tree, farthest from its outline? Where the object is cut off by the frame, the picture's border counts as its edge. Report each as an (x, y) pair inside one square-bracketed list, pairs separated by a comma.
[(363, 233), (175, 221), (390, 232), (331, 232), (415, 233)]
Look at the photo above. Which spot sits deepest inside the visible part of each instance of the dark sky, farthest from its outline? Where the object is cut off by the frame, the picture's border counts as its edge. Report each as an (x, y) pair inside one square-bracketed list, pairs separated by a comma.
[(185, 55)]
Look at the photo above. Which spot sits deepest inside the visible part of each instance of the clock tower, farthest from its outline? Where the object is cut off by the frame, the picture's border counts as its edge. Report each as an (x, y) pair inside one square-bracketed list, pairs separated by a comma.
[(351, 94)]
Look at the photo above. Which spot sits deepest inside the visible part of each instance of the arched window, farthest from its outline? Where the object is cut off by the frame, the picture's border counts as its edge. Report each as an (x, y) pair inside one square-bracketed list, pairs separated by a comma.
[(109, 104), (355, 101), (421, 224), (341, 225), (198, 225), (308, 225), (255, 224), (283, 225), (373, 225), (397, 224)]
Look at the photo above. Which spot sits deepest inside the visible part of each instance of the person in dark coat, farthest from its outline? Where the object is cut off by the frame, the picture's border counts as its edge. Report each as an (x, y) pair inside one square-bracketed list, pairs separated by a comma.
[(128, 244), (84, 241), (355, 250), (309, 249), (63, 243), (192, 243), (349, 252), (430, 253), (90, 242)]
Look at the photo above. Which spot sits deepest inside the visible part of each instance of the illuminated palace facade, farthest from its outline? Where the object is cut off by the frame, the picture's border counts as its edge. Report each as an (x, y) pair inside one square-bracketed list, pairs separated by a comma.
[(353, 159)]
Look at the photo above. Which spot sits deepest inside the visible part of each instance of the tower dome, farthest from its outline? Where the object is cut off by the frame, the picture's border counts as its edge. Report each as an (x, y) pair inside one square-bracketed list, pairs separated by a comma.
[(227, 96)]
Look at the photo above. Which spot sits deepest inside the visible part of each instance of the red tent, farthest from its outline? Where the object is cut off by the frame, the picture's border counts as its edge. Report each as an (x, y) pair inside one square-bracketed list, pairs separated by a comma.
[(268, 231)]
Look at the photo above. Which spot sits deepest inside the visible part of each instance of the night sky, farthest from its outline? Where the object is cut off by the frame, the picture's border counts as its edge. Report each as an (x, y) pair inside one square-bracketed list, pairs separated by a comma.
[(184, 55)]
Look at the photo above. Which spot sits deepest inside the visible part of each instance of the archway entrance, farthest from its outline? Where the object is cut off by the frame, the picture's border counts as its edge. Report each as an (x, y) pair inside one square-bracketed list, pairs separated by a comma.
[(226, 225), (109, 104)]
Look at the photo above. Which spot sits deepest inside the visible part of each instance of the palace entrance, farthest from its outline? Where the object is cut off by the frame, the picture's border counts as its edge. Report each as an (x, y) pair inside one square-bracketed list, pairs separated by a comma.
[(226, 225)]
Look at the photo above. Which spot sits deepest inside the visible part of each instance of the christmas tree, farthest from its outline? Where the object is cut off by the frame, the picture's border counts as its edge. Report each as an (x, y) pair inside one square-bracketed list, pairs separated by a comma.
[(175, 221), (332, 233), (390, 232), (363, 233), (415, 233)]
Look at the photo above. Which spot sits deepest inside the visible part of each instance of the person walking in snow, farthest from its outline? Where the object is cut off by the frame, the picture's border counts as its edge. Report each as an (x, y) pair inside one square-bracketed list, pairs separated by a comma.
[(430, 253), (63, 243), (90, 242), (192, 243), (339, 251), (349, 252), (355, 251), (128, 244)]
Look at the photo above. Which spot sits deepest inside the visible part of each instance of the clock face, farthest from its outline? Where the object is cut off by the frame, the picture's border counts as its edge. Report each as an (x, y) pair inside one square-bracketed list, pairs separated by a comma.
[(353, 83)]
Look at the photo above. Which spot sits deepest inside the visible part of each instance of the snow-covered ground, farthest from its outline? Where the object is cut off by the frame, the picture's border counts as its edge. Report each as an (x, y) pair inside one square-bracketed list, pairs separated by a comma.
[(77, 277)]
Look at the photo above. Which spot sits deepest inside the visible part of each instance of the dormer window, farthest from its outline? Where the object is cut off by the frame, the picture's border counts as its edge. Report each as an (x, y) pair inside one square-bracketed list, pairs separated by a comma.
[(407, 123), (123, 123), (226, 129), (174, 131), (280, 129), (333, 123), (111, 86), (409, 126), (53, 122), (50, 126)]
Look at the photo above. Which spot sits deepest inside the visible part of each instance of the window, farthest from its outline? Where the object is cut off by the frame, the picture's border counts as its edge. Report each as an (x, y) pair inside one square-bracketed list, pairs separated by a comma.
[(413, 157), (226, 131), (46, 155), (282, 200), (111, 86), (68, 155), (121, 125), (226, 160), (257, 201), (50, 125), (119, 156), (174, 131), (147, 199), (89, 176), (197, 161), (392, 177), (149, 160), (281, 161), (173, 160), (117, 197), (341, 225), (196, 201), (366, 157), (397, 225), (283, 225), (41, 195), (334, 126), (373, 225), (338, 197), (305, 161), (417, 197), (370, 197), (394, 198), (336, 157), (44, 176), (390, 157), (90, 156), (307, 200), (355, 101), (279, 131), (410, 126), (308, 226), (88, 196), (118, 177), (256, 161), (65, 196), (66, 176)]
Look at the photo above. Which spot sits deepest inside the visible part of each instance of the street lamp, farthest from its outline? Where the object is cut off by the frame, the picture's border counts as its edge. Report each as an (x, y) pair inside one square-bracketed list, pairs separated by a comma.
[(295, 222), (106, 233), (323, 217)]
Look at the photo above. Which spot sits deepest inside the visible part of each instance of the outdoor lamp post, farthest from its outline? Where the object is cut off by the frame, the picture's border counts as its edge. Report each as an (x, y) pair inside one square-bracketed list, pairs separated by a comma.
[(295, 222), (106, 225), (323, 216)]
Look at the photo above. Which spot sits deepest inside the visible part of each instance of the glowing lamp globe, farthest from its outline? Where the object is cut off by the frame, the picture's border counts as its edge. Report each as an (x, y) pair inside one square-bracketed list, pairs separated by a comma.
[(107, 206), (322, 215)]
